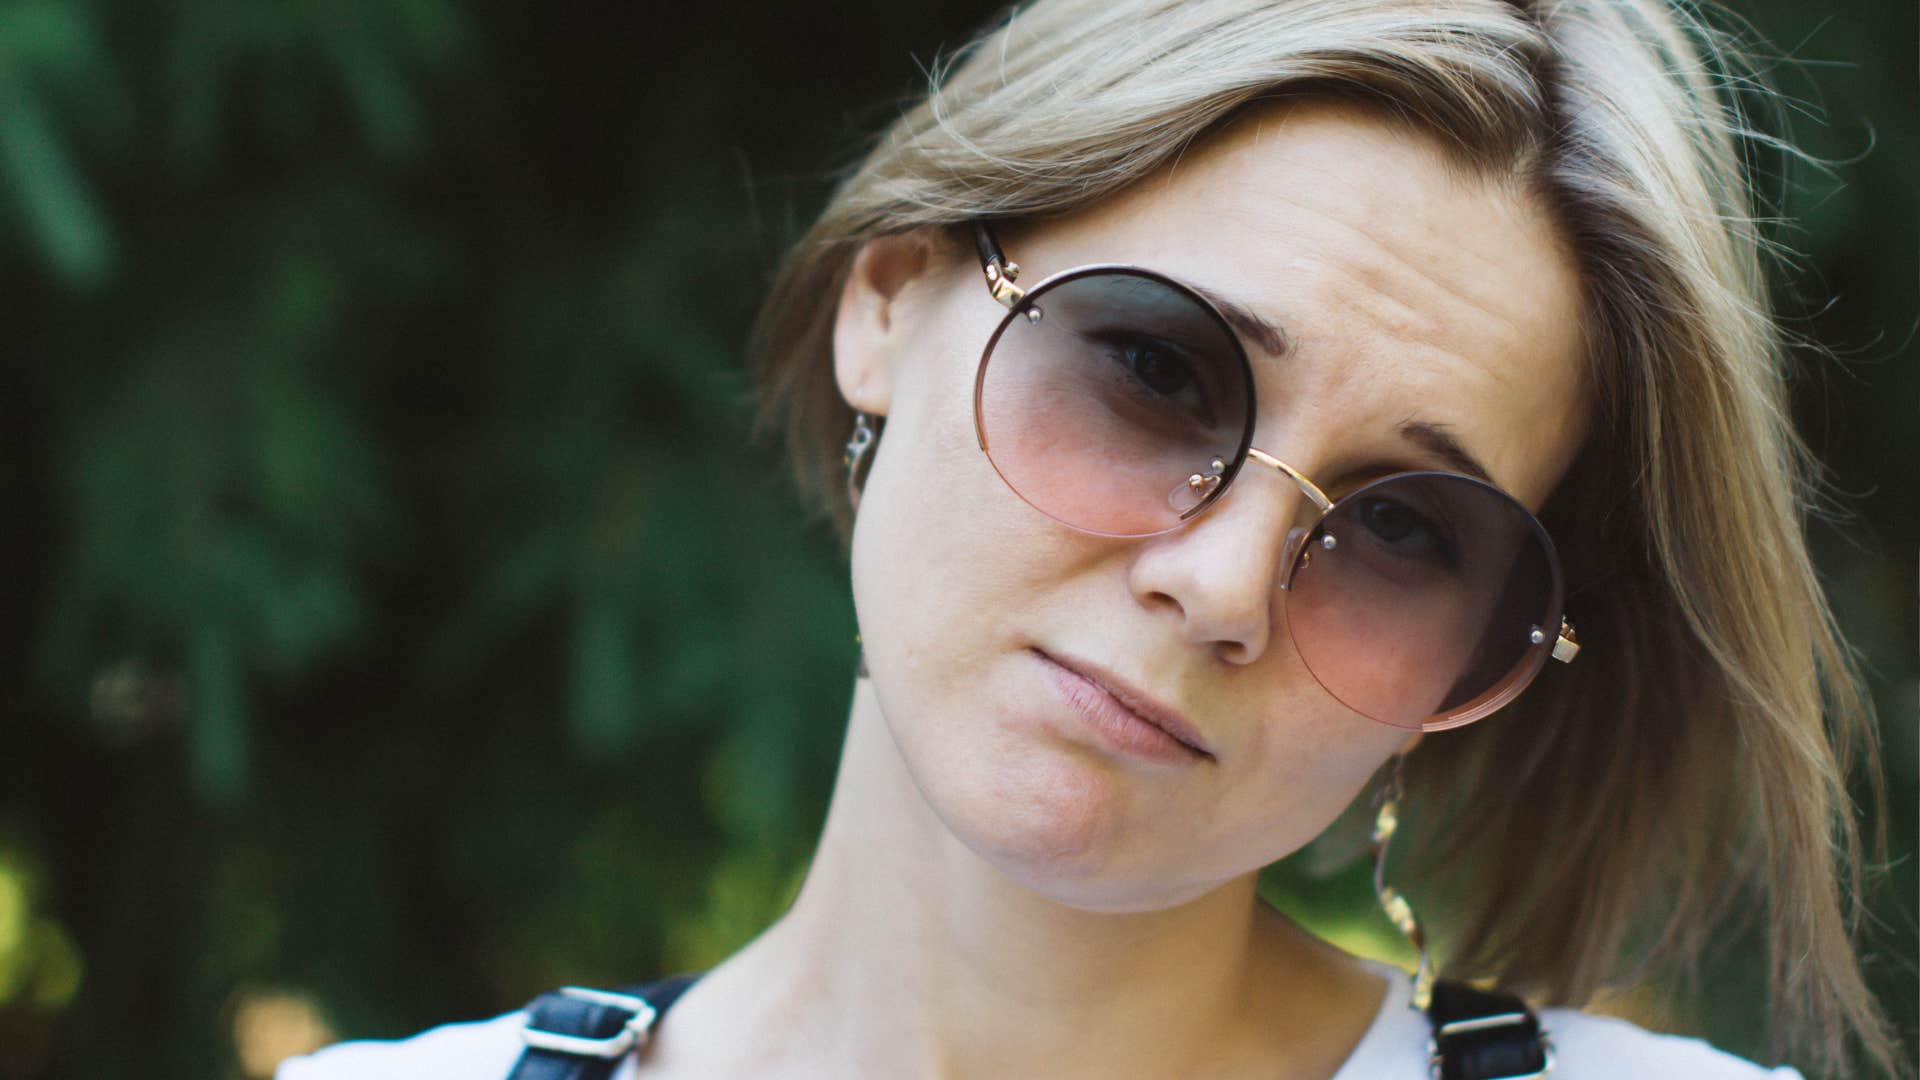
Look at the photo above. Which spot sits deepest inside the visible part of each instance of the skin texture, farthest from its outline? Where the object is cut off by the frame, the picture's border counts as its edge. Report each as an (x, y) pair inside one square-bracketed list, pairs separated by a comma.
[(998, 891)]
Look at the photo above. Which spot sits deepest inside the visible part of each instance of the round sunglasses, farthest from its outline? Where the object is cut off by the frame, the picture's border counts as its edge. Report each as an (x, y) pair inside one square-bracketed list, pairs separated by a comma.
[(1119, 402)]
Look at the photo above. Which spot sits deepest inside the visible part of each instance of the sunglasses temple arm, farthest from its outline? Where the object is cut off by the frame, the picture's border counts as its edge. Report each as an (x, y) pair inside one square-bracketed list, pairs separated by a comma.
[(993, 262), (987, 246)]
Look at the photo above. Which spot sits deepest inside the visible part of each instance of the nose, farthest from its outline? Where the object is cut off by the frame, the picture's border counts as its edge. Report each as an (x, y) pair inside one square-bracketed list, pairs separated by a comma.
[(1221, 575), (1297, 535)]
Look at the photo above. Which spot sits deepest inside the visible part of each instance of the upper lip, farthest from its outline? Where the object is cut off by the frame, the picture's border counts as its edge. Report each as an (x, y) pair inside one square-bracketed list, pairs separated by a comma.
[(1137, 701)]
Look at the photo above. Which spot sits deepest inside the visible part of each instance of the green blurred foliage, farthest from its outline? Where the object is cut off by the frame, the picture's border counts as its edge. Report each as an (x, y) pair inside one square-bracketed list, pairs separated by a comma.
[(400, 617)]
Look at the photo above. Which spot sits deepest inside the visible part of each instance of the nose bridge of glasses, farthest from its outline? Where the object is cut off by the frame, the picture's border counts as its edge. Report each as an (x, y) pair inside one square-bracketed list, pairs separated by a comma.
[(1307, 487), (1296, 536)]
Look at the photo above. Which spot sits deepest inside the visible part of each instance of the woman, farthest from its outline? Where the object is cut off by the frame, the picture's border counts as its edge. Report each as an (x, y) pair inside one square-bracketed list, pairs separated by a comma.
[(1362, 359)]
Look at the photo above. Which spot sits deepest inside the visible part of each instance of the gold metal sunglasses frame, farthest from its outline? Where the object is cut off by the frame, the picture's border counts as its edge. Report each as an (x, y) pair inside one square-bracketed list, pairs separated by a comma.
[(1001, 278)]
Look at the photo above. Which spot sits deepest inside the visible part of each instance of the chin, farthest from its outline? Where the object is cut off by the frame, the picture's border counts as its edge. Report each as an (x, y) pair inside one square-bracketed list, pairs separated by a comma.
[(1061, 824), (1072, 822)]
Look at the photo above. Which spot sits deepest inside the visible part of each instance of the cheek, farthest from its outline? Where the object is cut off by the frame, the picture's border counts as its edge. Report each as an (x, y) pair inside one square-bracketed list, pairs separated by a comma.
[(946, 558), (1046, 815), (1391, 655), (959, 699), (947, 566), (934, 531), (1299, 780), (953, 576)]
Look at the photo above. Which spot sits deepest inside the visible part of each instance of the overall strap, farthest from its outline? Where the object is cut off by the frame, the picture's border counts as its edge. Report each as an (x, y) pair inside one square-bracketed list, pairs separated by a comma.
[(1482, 1035), (578, 1034)]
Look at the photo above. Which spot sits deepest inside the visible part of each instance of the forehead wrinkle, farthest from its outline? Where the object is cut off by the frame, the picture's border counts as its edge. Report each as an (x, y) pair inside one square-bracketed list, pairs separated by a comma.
[(1463, 190), (1380, 284), (1372, 290)]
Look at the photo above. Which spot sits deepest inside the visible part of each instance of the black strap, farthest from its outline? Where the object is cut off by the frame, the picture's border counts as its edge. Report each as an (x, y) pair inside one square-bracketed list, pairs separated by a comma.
[(1481, 1035), (606, 1028), (1477, 1034)]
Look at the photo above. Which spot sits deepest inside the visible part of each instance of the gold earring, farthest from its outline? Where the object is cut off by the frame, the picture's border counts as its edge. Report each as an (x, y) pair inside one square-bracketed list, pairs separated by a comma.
[(1398, 911)]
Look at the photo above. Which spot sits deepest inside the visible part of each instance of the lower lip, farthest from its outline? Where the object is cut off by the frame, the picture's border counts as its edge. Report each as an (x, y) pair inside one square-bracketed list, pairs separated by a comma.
[(1113, 722)]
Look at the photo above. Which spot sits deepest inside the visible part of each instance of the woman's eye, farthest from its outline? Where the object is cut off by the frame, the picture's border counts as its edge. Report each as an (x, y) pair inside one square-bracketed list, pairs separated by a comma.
[(1158, 366), (1405, 528), (1163, 371), (1163, 378)]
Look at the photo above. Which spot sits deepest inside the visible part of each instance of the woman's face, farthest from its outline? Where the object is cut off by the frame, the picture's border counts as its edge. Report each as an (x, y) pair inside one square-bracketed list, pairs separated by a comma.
[(1409, 293)]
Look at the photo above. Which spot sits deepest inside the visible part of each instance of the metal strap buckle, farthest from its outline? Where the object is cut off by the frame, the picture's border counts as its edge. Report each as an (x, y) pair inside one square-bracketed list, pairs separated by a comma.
[(1483, 1023), (1488, 1023), (631, 1034)]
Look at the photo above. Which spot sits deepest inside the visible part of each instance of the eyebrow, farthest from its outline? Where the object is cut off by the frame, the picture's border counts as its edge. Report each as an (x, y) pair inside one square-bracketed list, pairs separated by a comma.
[(1263, 332), (1438, 439)]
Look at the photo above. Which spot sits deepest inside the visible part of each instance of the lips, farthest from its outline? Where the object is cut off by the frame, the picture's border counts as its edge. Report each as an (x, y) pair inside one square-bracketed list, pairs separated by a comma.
[(1135, 701)]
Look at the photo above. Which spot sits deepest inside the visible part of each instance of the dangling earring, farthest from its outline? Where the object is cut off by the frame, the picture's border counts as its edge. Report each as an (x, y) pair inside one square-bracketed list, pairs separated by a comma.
[(1398, 911), (866, 429)]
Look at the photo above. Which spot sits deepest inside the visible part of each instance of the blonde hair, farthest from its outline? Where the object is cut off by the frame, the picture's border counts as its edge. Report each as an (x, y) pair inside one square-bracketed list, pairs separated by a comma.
[(1597, 832)]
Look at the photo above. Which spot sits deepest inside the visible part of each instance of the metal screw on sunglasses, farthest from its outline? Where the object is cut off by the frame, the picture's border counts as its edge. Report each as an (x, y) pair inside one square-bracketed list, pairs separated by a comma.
[(1120, 402)]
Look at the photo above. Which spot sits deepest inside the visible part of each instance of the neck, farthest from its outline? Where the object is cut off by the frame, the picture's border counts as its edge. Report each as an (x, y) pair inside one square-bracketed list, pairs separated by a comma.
[(908, 954)]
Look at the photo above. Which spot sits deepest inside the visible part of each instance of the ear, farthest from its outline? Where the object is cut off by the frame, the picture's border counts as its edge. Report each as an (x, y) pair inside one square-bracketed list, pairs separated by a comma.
[(869, 328)]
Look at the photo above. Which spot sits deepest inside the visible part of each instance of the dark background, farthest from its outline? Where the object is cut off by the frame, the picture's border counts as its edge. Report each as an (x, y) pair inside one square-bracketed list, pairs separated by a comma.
[(398, 621)]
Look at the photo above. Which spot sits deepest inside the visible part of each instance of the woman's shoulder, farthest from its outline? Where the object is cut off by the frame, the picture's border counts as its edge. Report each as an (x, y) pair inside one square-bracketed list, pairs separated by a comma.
[(474, 1050), (1588, 1046), (479, 1049)]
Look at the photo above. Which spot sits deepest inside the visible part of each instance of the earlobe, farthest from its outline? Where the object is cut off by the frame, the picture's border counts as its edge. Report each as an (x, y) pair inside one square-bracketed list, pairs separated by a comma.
[(868, 329)]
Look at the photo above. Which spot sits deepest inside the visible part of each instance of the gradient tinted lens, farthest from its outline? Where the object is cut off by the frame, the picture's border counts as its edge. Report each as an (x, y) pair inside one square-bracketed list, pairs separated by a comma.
[(1424, 609), (1115, 401)]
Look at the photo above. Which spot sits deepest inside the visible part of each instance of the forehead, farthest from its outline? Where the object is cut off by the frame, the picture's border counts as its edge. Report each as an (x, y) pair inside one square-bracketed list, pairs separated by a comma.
[(1410, 290)]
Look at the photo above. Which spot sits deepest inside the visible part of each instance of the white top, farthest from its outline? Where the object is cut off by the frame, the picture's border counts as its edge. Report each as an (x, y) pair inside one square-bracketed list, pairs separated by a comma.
[(1394, 1048)]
